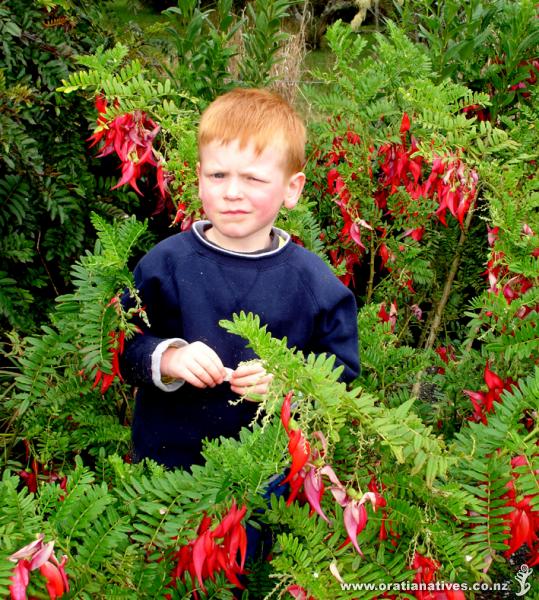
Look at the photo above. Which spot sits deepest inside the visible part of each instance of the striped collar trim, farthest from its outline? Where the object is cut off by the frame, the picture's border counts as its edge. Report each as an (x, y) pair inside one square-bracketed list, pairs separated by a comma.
[(283, 236)]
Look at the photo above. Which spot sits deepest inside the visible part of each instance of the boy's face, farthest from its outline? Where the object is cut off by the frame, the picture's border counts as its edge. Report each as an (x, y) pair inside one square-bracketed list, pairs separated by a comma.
[(242, 192)]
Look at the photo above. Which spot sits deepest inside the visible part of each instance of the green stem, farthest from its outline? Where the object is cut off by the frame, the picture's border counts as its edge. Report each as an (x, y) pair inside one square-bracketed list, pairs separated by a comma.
[(370, 287), (440, 306)]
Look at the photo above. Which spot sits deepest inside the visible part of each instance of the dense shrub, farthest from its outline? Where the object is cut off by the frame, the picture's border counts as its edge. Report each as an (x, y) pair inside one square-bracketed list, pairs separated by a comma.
[(48, 186)]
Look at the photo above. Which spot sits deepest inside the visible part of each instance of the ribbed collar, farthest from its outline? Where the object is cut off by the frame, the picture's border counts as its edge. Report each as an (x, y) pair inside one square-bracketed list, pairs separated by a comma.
[(198, 231)]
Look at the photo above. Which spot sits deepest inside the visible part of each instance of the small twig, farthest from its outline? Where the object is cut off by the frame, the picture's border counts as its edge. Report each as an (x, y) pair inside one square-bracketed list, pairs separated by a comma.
[(45, 264)]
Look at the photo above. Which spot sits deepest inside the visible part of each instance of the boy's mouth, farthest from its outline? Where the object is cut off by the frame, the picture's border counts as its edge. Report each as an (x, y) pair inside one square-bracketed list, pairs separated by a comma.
[(234, 212)]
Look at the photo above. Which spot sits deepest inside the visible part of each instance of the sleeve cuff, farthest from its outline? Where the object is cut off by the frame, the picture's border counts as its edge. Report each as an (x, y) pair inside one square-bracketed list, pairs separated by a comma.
[(156, 365)]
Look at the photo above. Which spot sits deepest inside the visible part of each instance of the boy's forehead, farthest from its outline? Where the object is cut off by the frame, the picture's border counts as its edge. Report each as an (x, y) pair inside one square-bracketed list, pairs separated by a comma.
[(256, 144), (249, 148)]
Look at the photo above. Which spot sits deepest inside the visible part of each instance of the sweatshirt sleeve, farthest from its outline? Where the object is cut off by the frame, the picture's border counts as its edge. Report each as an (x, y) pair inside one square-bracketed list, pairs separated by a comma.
[(140, 362), (335, 328), (337, 333)]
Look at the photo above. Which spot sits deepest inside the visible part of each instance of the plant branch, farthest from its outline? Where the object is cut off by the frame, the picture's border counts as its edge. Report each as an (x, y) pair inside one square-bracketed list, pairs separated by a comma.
[(440, 306), (370, 286)]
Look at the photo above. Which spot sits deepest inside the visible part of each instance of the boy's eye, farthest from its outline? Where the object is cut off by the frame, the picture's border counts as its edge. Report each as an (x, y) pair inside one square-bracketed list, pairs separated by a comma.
[(217, 175)]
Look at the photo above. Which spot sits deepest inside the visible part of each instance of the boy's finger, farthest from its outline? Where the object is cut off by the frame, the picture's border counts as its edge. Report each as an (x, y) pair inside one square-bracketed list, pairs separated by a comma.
[(197, 375), (250, 380), (207, 359), (250, 390), (205, 353), (215, 372), (249, 369), (200, 371)]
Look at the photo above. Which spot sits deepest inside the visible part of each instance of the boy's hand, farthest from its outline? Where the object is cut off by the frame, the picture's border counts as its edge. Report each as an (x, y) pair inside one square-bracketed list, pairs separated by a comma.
[(250, 379), (195, 363)]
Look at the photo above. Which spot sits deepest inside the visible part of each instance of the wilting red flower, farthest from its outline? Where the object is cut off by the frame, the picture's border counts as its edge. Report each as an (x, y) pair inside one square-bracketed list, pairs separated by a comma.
[(31, 557), (390, 317), (299, 593), (355, 515), (314, 490)]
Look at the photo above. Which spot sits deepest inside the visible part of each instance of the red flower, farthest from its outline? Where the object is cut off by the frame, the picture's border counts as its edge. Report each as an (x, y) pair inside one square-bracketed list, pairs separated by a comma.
[(286, 411), (523, 521), (390, 317), (214, 551), (116, 349), (300, 450), (298, 446), (483, 402), (131, 137), (31, 557), (416, 234), (425, 568), (405, 123), (299, 593), (352, 138)]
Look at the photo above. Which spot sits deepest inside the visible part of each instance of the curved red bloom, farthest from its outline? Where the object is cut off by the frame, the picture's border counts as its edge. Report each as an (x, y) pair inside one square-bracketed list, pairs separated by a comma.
[(300, 450), (314, 490), (285, 410), (116, 349), (31, 557), (405, 123), (54, 580), (222, 549), (483, 402)]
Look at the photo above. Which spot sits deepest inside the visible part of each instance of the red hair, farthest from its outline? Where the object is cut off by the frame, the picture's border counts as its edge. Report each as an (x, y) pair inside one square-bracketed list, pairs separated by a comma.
[(258, 116)]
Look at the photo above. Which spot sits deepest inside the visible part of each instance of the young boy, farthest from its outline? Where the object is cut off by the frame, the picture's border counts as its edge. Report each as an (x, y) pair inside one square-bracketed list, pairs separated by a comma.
[(251, 154)]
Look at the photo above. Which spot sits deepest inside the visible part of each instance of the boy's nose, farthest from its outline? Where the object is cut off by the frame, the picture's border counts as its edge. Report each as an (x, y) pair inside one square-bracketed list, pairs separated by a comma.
[(233, 189)]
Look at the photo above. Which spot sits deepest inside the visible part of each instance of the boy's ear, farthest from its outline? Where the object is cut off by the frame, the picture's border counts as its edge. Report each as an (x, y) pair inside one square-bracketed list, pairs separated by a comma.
[(198, 169), (294, 189)]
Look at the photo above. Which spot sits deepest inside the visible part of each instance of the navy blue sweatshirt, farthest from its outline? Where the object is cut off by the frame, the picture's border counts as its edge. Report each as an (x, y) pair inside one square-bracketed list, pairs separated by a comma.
[(188, 285)]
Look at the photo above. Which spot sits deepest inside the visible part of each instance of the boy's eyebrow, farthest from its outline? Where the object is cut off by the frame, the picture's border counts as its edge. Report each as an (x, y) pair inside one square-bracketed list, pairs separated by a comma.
[(254, 172), (248, 171)]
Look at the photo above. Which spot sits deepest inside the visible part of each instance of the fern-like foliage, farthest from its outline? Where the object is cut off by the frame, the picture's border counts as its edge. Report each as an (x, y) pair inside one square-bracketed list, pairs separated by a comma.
[(302, 224), (330, 403), (485, 466), (57, 368), (397, 76)]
